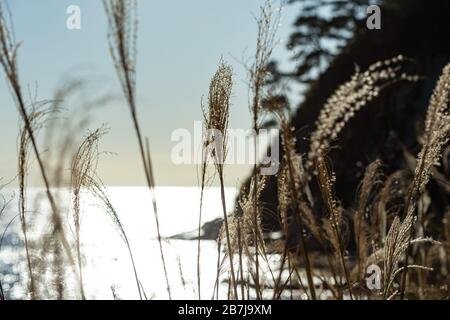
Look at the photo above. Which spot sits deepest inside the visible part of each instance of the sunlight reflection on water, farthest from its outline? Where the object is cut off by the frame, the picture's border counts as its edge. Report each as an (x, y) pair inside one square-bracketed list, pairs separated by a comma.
[(106, 262)]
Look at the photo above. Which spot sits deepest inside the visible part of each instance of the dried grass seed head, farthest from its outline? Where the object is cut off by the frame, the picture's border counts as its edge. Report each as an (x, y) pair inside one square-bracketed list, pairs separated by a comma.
[(218, 111), (349, 98), (122, 35)]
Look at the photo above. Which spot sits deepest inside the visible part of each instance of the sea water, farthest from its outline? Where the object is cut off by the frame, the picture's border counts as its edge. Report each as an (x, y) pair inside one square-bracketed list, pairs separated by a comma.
[(106, 264)]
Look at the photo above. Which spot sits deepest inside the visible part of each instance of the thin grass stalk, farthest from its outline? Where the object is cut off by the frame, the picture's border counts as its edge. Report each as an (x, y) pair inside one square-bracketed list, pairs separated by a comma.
[(155, 210), (8, 60), (2, 208), (80, 269), (83, 166), (297, 274), (227, 233), (23, 156), (299, 220), (202, 189), (277, 290), (267, 27), (326, 188), (288, 281), (123, 28), (97, 188), (370, 179), (198, 236), (246, 223), (241, 264), (283, 201), (138, 283), (216, 285), (313, 226), (292, 267), (216, 119), (437, 135), (291, 283), (288, 142)]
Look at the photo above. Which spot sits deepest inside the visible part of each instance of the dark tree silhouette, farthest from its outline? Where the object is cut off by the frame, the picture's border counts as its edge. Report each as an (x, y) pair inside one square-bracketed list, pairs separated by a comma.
[(321, 31), (329, 39)]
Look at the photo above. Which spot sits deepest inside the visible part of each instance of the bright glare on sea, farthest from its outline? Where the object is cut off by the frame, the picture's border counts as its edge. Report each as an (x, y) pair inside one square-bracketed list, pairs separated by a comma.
[(106, 261)]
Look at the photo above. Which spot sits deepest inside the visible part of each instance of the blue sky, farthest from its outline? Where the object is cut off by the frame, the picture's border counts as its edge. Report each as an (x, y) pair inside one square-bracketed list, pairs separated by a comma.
[(179, 46)]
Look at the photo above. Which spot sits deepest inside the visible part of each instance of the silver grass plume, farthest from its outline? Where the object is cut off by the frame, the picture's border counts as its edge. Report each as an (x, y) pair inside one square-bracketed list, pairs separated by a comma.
[(348, 99)]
